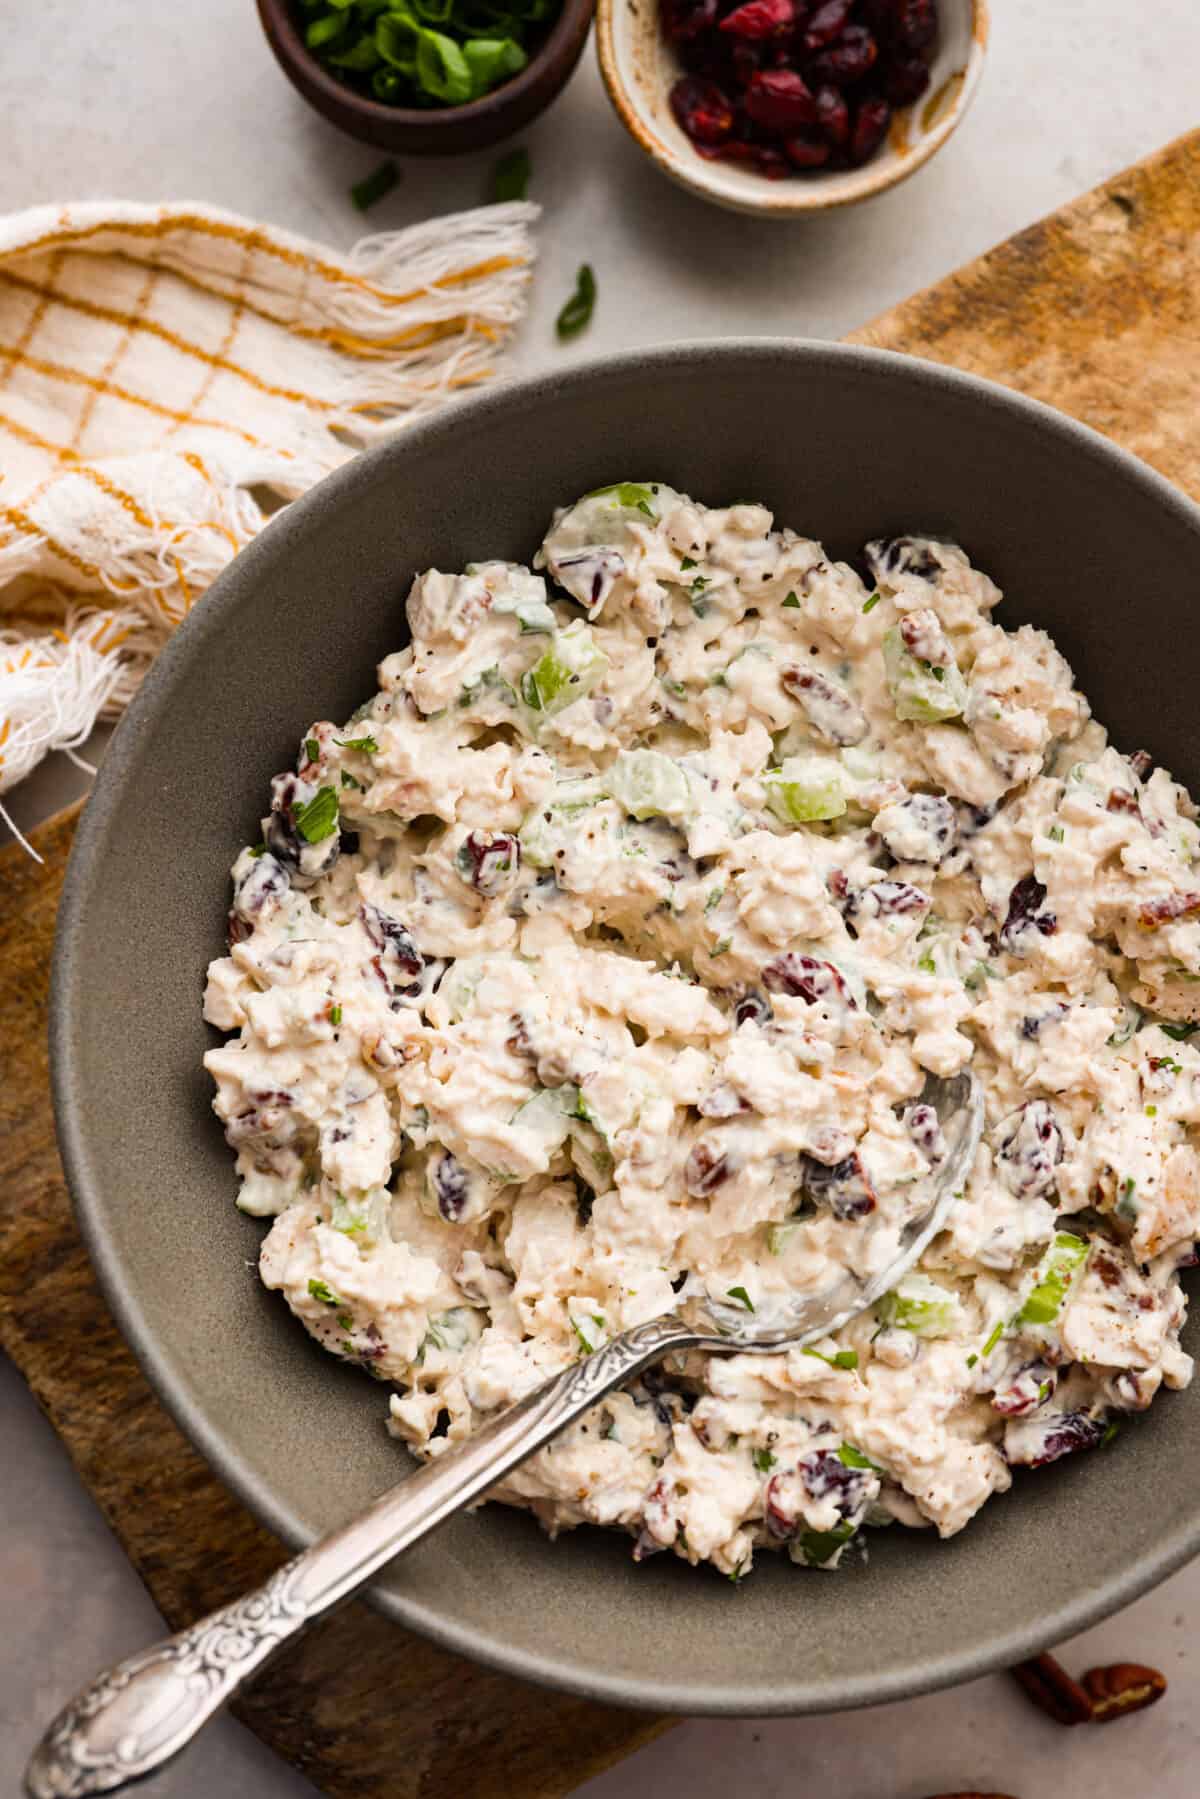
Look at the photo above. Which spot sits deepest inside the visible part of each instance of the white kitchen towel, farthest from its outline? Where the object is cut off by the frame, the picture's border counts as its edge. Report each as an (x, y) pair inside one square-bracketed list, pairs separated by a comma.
[(168, 374)]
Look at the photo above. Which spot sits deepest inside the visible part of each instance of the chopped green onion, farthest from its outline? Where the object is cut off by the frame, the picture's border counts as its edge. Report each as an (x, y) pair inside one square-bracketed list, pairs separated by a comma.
[(577, 311), (742, 1297), (374, 186), (997, 1332), (870, 605), (325, 1294), (1056, 833), (260, 849), (318, 818), (764, 1461), (1180, 1032), (335, 1015), (367, 745), (843, 1358), (510, 177)]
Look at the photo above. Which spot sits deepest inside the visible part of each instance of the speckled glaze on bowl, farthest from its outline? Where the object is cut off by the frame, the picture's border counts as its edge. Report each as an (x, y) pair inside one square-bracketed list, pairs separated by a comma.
[(846, 444), (439, 130), (640, 68)]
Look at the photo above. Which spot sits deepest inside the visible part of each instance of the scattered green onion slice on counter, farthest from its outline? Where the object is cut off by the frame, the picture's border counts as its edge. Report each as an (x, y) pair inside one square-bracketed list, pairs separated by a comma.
[(374, 186), (510, 178), (577, 311)]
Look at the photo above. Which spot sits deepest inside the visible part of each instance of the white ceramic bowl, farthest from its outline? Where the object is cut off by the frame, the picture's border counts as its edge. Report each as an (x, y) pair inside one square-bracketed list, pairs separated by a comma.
[(640, 68)]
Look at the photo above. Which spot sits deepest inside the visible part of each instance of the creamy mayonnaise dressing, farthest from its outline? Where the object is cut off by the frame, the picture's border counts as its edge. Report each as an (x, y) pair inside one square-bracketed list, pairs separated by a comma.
[(604, 954)]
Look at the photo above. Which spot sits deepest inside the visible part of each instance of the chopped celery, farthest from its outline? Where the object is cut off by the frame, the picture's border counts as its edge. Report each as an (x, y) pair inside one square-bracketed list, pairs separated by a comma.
[(547, 1114), (804, 789), (780, 1235), (569, 669), (649, 785), (919, 1305), (452, 1330), (547, 826), (919, 691), (1060, 1269)]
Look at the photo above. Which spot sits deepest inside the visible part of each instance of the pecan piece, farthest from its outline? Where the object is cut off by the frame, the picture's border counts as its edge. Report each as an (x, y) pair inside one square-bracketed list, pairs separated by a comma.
[(1053, 1690), (1122, 1687), (1166, 911)]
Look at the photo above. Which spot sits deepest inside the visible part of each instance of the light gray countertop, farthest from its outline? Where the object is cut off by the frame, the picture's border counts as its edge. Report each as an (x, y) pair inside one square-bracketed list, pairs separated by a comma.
[(184, 102)]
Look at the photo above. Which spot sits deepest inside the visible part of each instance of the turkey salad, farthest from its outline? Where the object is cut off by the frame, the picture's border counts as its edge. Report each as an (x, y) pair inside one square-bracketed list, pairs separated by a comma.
[(602, 957)]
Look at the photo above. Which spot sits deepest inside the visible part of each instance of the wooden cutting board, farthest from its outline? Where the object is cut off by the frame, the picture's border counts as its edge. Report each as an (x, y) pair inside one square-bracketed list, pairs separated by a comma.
[(1092, 310)]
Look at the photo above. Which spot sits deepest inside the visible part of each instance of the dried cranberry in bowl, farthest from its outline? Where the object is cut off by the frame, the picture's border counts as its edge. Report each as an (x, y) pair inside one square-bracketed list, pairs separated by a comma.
[(789, 86)]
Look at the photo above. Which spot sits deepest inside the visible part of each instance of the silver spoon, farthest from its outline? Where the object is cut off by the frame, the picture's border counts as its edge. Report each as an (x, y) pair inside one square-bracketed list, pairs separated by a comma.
[(134, 1717)]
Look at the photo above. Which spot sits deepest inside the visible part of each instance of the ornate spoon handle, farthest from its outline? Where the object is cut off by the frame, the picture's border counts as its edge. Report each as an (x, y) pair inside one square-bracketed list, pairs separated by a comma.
[(137, 1715)]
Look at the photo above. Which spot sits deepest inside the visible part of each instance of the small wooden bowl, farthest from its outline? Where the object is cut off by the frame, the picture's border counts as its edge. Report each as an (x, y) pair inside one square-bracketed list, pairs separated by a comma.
[(435, 131), (639, 69)]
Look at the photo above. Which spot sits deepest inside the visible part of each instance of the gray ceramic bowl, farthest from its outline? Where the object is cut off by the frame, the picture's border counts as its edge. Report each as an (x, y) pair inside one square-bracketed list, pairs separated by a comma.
[(844, 443)]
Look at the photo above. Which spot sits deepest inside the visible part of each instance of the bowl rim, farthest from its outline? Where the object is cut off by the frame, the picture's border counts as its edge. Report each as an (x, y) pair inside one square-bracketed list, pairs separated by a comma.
[(785, 199), (792, 1697), (283, 32)]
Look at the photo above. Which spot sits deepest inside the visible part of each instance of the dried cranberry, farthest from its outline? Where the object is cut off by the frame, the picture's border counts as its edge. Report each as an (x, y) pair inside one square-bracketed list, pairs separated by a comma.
[(826, 23), (701, 110), (806, 150), (809, 979), (925, 1128), (685, 20), (1122, 800), (1033, 1442), (1028, 916), (489, 861), (705, 1169), (451, 1186), (905, 81), (778, 100), (399, 963), (746, 59), (891, 898), (826, 1476), (870, 128), (763, 157), (1025, 1389), (845, 1187), (916, 24), (760, 18), (833, 117), (753, 1009), (849, 59), (264, 884), (1031, 1147), (827, 706)]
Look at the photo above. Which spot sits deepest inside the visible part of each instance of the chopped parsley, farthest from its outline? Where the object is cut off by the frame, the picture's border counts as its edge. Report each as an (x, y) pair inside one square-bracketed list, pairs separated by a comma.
[(367, 745), (792, 600), (349, 781), (686, 562), (1179, 1032), (312, 748), (870, 605), (742, 1297), (854, 1458), (971, 1360), (764, 1461), (318, 818), (820, 1546)]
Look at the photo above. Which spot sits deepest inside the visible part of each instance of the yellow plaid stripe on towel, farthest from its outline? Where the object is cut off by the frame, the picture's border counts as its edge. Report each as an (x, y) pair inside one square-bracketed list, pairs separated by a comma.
[(158, 365)]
